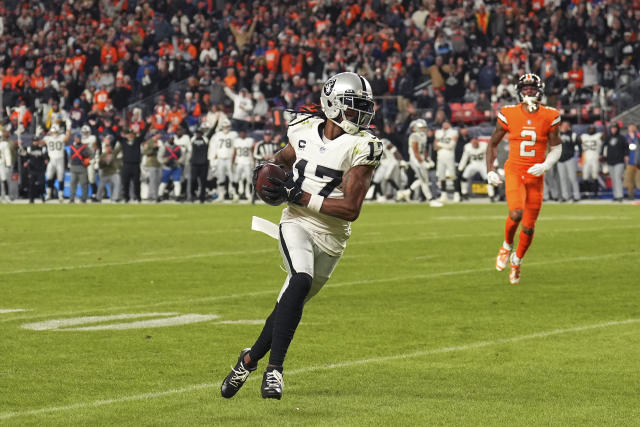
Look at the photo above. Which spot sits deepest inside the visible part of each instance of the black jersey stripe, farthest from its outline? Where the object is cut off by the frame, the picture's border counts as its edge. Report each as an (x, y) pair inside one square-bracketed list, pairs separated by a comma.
[(286, 252)]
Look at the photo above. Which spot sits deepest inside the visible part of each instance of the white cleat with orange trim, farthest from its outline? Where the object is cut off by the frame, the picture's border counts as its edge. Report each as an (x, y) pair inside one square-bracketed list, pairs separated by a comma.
[(502, 258), (514, 276)]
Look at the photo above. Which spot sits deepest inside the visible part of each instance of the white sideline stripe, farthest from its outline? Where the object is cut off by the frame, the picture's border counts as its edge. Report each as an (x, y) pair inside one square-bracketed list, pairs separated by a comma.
[(12, 310), (194, 387), (330, 285)]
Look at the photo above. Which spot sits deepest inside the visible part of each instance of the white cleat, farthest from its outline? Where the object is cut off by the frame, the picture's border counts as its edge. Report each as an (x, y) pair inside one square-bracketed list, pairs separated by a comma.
[(456, 197), (502, 258), (403, 195), (443, 197), (435, 204)]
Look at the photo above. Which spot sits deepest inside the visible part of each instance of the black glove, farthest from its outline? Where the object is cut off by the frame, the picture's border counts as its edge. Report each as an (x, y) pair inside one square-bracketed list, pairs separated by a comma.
[(255, 172), (283, 190)]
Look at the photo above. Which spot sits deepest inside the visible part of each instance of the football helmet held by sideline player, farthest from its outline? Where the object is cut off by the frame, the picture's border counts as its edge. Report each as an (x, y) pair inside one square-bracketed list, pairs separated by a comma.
[(348, 96)]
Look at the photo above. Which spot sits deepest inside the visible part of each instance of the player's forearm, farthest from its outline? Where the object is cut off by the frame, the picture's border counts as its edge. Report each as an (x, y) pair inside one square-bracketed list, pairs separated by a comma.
[(346, 209), (492, 153)]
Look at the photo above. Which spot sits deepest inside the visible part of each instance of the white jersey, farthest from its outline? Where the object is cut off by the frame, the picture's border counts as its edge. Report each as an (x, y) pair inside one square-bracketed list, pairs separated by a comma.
[(55, 145), (388, 154), (591, 145), (421, 139), (473, 155), (319, 168), (244, 151), (221, 145), (446, 141), (5, 154)]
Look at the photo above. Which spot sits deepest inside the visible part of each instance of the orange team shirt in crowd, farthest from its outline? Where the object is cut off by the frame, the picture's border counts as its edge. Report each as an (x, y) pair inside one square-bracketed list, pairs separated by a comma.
[(37, 83), (100, 99), (108, 49), (78, 62), (272, 57), (174, 118), (528, 132), (25, 117), (576, 77)]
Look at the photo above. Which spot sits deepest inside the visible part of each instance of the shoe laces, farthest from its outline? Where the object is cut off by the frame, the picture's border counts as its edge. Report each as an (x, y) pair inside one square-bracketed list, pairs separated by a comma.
[(274, 379), (239, 376)]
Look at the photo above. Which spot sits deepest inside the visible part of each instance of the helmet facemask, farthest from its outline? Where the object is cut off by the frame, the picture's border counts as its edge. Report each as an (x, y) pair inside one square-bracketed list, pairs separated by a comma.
[(347, 101), (356, 113), (533, 97)]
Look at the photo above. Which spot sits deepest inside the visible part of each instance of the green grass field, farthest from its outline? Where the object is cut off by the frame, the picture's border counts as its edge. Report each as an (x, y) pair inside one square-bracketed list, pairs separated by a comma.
[(414, 328)]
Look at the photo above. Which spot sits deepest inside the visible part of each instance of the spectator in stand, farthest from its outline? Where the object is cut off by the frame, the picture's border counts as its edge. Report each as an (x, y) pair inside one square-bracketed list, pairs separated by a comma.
[(576, 75), (131, 157), (616, 152), (631, 173), (242, 108)]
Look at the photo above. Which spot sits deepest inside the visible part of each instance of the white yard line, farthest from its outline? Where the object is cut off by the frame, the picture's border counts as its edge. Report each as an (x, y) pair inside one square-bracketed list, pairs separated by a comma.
[(275, 290), (345, 364)]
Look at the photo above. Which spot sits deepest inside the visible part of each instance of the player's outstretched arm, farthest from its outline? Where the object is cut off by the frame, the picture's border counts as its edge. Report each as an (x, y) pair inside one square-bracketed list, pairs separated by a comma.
[(355, 184)]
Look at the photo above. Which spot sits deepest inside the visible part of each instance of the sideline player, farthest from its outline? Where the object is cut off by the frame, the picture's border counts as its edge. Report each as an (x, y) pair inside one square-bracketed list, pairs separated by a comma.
[(473, 162), (531, 128), (420, 163), (331, 161), (56, 140)]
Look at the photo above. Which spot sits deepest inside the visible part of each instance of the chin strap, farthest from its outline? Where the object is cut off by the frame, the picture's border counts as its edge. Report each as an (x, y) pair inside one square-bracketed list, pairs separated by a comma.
[(346, 125)]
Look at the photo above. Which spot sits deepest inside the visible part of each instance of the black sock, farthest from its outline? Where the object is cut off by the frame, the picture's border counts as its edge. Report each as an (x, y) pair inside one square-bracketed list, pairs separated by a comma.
[(263, 343), (393, 184), (287, 316)]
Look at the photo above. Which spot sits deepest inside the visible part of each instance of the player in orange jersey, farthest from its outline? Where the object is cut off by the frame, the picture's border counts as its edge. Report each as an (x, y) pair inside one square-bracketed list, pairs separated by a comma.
[(531, 128)]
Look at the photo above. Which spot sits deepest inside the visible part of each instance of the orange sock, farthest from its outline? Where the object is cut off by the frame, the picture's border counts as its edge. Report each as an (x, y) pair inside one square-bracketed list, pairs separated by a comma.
[(524, 241), (510, 230)]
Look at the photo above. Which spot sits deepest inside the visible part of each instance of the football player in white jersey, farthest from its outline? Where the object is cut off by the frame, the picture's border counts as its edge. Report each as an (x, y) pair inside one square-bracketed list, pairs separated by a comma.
[(5, 165), (330, 161), (591, 148), (473, 162), (221, 154), (420, 163), (243, 165), (56, 140), (445, 144), (388, 174)]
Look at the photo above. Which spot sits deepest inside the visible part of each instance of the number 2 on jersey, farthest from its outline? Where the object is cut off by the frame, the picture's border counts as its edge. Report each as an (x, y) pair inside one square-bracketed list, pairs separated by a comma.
[(530, 141)]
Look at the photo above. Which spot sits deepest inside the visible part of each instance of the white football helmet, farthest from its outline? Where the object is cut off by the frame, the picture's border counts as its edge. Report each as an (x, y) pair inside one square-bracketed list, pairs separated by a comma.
[(225, 125), (86, 130), (348, 91), (55, 129), (419, 125)]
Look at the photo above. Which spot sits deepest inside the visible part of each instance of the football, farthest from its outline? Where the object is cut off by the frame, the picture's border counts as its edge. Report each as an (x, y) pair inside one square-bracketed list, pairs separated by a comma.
[(269, 170)]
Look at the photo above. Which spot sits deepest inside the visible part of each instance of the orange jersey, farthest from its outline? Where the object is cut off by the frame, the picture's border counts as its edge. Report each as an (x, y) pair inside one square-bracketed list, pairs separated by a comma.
[(528, 132)]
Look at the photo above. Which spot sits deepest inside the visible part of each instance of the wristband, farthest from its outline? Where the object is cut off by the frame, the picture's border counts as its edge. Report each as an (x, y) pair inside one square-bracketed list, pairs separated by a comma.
[(315, 202)]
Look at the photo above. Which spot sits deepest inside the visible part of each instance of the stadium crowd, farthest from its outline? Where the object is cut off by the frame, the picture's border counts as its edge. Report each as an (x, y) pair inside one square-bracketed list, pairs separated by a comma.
[(121, 72)]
